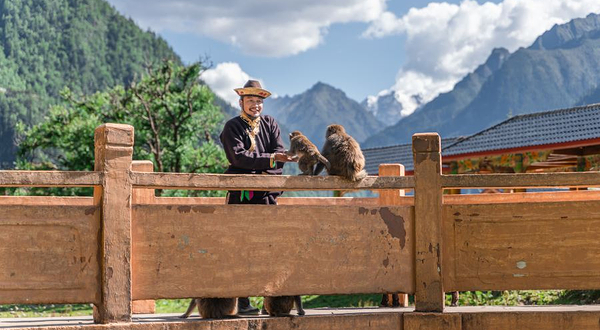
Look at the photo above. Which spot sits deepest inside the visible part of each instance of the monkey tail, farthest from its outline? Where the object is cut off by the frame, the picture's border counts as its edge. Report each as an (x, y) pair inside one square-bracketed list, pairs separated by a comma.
[(325, 162), (359, 176)]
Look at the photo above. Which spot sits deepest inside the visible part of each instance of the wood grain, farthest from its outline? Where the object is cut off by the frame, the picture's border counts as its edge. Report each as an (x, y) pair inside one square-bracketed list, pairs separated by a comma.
[(252, 250), (522, 246), (49, 254)]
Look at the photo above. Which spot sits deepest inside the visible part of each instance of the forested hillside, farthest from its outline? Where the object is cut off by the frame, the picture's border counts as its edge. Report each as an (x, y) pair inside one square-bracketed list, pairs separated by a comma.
[(46, 45)]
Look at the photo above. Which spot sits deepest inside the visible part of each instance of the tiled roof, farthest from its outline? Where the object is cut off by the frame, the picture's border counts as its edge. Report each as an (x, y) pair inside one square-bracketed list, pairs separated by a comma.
[(398, 154), (542, 128)]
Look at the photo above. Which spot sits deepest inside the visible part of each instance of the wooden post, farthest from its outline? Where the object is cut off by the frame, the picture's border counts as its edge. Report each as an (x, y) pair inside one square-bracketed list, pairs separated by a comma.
[(113, 152), (429, 291), (391, 197), (519, 169), (143, 196)]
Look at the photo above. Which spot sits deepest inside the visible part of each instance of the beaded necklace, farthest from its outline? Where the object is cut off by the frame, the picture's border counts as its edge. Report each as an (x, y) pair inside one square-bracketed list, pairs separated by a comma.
[(253, 130)]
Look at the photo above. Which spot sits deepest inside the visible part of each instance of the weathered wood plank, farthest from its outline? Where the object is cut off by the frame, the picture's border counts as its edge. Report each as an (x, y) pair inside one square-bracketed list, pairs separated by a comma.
[(429, 295), (427, 321), (49, 254), (518, 246), (263, 182), (113, 153), (143, 196), (360, 201), (531, 197), (45, 200), (532, 317), (524, 180), (394, 197), (50, 178), (252, 250)]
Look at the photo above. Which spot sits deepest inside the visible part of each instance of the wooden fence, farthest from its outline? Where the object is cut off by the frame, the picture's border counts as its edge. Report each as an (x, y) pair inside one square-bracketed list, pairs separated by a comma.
[(124, 244)]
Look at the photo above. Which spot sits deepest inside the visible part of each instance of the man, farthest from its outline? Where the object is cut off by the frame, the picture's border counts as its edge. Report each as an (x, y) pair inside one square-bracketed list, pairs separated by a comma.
[(253, 145)]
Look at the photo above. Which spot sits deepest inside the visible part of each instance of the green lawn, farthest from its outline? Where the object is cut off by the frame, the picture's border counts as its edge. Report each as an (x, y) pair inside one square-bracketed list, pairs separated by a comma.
[(476, 298)]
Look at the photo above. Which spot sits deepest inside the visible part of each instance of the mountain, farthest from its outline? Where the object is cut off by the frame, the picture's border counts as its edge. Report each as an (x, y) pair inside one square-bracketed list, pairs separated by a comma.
[(47, 45), (435, 113), (593, 96), (557, 71), (385, 108), (312, 111), (85, 45)]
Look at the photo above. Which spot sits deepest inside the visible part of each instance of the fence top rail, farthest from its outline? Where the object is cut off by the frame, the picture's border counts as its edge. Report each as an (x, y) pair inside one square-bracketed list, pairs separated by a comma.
[(50, 178), (522, 180), (203, 181)]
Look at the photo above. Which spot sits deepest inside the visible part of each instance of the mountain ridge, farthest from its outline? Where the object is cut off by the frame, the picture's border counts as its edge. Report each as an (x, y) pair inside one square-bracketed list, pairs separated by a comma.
[(556, 71)]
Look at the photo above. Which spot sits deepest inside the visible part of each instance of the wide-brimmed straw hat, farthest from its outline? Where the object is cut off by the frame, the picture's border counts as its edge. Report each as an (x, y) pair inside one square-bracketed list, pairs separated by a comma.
[(253, 88)]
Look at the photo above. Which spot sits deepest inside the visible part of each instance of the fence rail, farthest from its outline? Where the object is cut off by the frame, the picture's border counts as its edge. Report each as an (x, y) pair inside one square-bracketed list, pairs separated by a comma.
[(50, 178), (264, 182), (125, 243)]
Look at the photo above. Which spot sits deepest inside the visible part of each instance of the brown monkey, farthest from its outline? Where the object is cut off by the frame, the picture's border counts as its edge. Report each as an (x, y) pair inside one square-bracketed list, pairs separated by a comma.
[(390, 300), (308, 153), (344, 154), (212, 308), (282, 305)]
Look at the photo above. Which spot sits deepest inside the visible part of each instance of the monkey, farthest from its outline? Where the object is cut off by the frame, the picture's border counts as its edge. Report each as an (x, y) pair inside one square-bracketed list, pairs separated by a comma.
[(344, 155), (307, 152), (282, 305), (212, 308), (390, 300)]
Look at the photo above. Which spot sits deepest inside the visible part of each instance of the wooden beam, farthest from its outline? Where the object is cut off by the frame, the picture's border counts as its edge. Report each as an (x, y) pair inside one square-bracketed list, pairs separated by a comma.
[(143, 196), (263, 182), (50, 178), (524, 180), (537, 197), (429, 293), (113, 152), (393, 197)]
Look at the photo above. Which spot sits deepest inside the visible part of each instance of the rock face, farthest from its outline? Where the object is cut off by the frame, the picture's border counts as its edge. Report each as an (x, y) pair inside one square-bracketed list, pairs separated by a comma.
[(560, 69), (320, 106)]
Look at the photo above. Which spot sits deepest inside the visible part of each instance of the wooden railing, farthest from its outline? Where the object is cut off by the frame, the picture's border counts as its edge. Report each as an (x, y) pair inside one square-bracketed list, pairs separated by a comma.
[(125, 244)]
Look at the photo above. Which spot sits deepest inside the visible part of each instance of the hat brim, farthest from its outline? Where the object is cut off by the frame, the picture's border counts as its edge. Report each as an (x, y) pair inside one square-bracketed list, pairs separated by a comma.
[(253, 91)]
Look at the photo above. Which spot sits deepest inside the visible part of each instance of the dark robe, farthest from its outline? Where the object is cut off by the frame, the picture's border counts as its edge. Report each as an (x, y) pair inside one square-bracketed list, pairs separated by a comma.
[(236, 143)]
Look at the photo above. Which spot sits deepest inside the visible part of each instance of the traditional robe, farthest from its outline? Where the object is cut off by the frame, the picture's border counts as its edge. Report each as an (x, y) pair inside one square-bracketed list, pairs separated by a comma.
[(236, 142)]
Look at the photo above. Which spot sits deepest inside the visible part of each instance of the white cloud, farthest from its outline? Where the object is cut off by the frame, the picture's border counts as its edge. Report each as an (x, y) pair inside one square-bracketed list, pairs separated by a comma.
[(271, 28), (224, 78), (445, 41)]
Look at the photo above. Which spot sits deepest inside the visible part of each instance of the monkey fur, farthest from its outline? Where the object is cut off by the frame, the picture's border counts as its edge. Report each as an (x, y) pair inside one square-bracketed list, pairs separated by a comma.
[(344, 155), (282, 305), (308, 154), (212, 308)]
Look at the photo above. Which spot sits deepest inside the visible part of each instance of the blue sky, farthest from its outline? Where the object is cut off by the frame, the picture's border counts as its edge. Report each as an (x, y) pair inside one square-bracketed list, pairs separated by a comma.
[(363, 47)]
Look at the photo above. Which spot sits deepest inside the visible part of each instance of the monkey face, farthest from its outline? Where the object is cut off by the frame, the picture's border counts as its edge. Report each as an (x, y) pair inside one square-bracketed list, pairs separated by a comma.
[(295, 133)]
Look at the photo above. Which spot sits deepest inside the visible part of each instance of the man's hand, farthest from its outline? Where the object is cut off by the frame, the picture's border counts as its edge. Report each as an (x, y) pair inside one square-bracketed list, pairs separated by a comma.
[(282, 157)]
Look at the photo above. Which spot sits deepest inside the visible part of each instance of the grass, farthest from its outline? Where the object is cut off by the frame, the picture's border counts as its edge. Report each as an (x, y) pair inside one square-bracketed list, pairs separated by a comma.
[(474, 298)]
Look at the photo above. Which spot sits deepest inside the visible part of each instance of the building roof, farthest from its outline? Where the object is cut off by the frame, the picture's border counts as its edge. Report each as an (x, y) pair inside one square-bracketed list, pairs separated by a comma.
[(541, 130), (563, 128), (398, 154)]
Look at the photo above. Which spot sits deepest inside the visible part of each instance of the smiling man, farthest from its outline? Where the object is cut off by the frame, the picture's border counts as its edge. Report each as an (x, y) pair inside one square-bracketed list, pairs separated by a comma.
[(253, 145)]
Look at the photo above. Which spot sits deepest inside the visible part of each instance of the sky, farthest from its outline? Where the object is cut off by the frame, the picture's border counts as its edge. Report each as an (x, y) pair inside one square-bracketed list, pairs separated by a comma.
[(366, 48)]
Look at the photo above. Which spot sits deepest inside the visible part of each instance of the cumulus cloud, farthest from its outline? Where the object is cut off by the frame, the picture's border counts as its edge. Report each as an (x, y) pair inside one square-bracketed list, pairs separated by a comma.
[(445, 41), (224, 78), (271, 28)]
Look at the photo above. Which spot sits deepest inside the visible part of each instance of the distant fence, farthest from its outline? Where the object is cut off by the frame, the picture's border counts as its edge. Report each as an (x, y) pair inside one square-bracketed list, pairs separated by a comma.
[(124, 244)]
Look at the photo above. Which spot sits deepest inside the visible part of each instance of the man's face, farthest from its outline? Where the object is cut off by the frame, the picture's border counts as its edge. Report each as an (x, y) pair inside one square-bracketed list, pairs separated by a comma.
[(252, 105)]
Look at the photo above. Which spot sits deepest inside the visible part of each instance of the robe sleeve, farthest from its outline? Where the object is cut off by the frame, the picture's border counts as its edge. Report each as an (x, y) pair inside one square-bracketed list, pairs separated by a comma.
[(232, 139), (276, 145)]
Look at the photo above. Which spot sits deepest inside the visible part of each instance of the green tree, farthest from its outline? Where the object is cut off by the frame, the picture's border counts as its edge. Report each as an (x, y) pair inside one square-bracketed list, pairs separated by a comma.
[(173, 114)]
